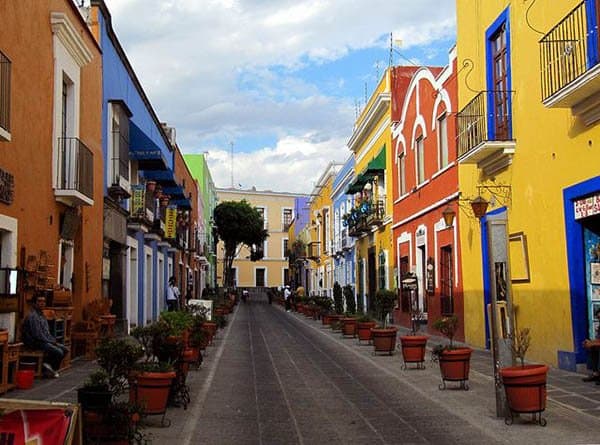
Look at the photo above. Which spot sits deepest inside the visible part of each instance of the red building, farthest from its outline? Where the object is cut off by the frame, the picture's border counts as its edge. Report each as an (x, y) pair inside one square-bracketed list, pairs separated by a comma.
[(425, 184)]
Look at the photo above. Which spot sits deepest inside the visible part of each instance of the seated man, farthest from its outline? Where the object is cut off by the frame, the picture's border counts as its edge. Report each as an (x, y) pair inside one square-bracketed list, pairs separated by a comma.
[(593, 350), (36, 336)]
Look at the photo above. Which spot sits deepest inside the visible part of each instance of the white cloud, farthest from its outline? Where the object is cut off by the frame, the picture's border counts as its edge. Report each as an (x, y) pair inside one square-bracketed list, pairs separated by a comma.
[(208, 68)]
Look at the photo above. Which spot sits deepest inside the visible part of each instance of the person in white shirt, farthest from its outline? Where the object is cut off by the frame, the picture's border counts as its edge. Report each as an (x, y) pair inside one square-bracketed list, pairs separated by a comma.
[(172, 295), (287, 294)]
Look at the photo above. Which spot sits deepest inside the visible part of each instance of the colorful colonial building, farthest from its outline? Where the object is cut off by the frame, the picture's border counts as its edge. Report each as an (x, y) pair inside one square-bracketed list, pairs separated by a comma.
[(537, 241), (51, 163), (343, 244), (425, 186)]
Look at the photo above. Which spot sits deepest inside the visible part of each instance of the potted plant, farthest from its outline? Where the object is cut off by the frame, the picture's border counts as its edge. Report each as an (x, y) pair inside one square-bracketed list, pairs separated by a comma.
[(364, 324), (151, 384), (338, 307), (384, 337), (413, 345), (325, 304), (105, 417), (454, 361), (524, 385)]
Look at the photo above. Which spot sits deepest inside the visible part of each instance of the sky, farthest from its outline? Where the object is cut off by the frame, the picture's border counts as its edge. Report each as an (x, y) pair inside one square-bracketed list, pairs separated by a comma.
[(280, 81)]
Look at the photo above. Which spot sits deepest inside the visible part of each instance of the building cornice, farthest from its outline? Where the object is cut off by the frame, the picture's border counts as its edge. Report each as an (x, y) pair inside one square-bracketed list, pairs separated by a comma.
[(374, 114), (64, 30)]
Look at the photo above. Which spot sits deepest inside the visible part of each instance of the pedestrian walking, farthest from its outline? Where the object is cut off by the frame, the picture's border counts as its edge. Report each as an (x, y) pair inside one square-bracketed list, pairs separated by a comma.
[(287, 295), (172, 295)]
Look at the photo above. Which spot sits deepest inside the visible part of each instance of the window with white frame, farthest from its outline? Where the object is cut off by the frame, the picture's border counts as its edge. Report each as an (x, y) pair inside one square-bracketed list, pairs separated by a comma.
[(420, 160), (118, 147), (263, 214), (442, 133), (65, 266), (287, 216), (401, 174)]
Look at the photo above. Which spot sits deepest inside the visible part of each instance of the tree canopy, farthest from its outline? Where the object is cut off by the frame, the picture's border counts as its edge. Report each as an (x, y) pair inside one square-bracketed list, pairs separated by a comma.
[(238, 223)]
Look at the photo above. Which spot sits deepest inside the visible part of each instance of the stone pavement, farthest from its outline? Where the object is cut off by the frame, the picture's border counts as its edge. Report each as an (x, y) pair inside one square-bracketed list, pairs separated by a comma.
[(573, 405)]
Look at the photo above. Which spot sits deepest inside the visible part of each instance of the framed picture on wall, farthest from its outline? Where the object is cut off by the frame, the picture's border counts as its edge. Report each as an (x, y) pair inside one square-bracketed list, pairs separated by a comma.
[(595, 273), (519, 258)]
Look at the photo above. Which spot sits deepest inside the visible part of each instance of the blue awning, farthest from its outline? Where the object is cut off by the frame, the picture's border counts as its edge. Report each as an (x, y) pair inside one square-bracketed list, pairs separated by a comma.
[(163, 177), (174, 191), (144, 150), (181, 203)]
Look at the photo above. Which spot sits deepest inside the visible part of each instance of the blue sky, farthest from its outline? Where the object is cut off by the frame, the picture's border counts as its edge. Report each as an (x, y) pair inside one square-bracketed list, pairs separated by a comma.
[(281, 79)]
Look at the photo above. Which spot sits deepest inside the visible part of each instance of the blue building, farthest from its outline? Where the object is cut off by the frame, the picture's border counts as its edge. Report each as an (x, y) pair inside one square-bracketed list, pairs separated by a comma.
[(343, 251), (139, 175)]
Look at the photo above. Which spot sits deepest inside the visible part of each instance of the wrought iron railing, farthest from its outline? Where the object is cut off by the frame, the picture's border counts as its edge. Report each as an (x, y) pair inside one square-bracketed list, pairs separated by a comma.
[(472, 120), (120, 160), (75, 167), (376, 213), (4, 92), (565, 50)]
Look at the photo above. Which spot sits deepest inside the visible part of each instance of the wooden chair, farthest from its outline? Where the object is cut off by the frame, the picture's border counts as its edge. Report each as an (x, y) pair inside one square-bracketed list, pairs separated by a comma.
[(33, 357), (96, 325)]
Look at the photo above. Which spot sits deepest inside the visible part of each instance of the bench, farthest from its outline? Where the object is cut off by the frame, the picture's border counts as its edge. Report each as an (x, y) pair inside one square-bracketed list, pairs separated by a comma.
[(32, 357)]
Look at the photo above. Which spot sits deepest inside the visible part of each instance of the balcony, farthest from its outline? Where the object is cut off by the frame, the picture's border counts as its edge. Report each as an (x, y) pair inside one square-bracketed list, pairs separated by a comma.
[(4, 98), (346, 241), (484, 135), (120, 188), (75, 173), (376, 213), (569, 64), (314, 251)]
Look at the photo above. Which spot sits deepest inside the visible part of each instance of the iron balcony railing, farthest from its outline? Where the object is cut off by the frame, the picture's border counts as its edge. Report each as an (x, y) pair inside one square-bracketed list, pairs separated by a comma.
[(76, 167), (120, 160), (4, 92), (568, 50), (377, 212), (472, 121)]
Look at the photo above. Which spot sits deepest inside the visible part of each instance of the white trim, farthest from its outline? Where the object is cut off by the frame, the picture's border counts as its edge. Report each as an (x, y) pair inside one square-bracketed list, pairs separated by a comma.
[(4, 135), (10, 240), (402, 198), (283, 240), (405, 237), (387, 268), (70, 38), (427, 209), (367, 148), (377, 109), (447, 167), (422, 184)]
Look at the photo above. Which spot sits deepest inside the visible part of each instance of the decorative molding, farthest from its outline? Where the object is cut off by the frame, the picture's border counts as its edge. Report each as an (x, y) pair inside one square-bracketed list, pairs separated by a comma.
[(373, 115), (70, 38)]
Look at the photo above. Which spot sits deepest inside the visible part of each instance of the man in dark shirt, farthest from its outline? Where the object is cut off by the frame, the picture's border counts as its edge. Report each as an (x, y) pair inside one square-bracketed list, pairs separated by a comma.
[(36, 335)]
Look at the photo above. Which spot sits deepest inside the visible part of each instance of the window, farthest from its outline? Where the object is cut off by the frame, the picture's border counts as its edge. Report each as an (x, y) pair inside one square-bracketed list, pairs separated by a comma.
[(285, 252), (420, 159), (286, 277), (401, 175), (263, 214), (259, 277), (4, 98), (382, 271), (498, 79), (287, 218), (118, 147), (234, 274), (442, 132), (404, 293), (65, 268), (447, 304)]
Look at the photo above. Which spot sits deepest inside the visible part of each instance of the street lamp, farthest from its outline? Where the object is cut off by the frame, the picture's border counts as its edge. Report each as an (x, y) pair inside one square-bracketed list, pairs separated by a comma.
[(448, 214)]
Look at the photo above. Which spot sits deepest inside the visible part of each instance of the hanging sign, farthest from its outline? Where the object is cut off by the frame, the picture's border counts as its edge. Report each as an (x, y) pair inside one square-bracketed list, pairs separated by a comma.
[(170, 222), (587, 207), (138, 199)]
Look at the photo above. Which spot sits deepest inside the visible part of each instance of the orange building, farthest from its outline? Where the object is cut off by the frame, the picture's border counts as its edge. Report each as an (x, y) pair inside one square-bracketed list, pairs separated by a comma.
[(51, 159), (425, 184)]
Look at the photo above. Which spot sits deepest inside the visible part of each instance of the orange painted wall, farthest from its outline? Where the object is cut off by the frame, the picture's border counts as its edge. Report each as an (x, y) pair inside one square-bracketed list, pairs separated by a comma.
[(26, 39), (422, 204)]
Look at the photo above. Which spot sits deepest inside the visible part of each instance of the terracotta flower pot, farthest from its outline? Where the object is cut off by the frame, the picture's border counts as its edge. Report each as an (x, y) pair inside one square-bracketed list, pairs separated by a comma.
[(326, 319), (364, 330), (151, 390), (384, 339), (454, 366), (413, 349), (349, 327), (335, 321), (525, 388)]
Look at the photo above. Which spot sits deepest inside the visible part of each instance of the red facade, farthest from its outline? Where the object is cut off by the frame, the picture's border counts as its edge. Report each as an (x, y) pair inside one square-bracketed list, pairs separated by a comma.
[(425, 184)]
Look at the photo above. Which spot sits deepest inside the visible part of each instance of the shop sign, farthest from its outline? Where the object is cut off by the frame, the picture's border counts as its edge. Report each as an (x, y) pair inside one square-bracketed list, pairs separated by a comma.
[(171, 222), (589, 206), (7, 185), (138, 199)]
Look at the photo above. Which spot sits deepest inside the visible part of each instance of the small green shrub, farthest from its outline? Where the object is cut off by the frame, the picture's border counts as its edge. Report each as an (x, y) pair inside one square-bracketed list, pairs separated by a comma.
[(350, 300)]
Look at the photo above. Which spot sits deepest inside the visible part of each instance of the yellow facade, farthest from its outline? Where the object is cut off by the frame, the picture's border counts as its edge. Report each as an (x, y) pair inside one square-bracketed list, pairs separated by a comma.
[(275, 207), (320, 229), (371, 135), (527, 172)]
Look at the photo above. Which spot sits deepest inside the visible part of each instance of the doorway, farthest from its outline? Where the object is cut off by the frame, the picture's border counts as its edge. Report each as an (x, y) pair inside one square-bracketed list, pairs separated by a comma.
[(372, 276), (591, 250)]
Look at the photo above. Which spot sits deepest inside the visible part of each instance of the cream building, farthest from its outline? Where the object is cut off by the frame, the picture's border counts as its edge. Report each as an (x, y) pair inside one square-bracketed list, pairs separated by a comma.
[(277, 209)]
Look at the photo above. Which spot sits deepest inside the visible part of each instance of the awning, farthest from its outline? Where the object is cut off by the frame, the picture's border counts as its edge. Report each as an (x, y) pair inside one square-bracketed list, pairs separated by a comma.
[(163, 177), (144, 150), (176, 191), (374, 167), (181, 203)]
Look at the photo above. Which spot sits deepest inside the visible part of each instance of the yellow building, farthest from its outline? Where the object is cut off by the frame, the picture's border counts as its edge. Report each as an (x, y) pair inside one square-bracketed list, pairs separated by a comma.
[(277, 209), (320, 230), (371, 144), (528, 124)]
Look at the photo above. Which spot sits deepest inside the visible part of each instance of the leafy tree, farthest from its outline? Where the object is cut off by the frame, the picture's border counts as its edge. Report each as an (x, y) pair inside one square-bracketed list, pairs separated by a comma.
[(338, 299), (239, 224), (350, 300)]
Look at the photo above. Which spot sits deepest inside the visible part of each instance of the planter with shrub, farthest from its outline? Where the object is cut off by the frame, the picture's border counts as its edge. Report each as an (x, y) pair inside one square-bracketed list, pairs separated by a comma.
[(454, 361)]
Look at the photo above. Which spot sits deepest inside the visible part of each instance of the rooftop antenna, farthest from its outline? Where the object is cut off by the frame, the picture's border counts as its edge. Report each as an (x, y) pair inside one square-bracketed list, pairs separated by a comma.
[(365, 94), (231, 157), (391, 50)]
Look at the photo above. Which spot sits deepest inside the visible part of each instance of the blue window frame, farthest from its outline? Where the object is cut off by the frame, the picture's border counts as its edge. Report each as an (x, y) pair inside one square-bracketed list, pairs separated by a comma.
[(498, 78), (591, 9)]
